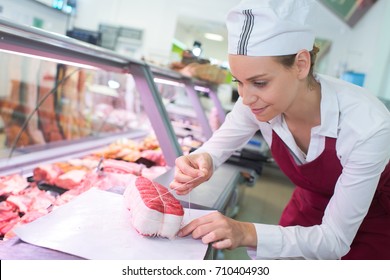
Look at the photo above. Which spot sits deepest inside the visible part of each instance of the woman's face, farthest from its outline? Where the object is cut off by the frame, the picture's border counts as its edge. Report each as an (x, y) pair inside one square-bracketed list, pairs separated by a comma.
[(266, 86)]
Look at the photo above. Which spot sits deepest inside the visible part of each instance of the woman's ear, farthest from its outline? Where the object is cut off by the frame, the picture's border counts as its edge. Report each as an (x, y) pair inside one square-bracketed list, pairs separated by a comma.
[(303, 63)]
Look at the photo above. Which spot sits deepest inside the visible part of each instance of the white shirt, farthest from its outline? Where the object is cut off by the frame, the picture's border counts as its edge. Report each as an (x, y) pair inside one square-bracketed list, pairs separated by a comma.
[(361, 124)]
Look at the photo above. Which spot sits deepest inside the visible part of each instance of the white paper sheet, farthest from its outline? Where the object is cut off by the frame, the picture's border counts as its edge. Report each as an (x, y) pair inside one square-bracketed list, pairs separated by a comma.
[(96, 225)]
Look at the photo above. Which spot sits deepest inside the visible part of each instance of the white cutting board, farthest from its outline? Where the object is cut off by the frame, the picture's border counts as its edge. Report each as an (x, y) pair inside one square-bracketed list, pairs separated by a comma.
[(96, 225)]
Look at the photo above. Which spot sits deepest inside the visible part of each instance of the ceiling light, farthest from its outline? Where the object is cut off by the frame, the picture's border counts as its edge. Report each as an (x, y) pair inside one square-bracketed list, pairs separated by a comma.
[(214, 37), (196, 51), (197, 48)]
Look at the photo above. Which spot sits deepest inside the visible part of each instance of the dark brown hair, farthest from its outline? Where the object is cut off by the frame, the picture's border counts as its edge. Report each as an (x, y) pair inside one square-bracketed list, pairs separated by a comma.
[(288, 61)]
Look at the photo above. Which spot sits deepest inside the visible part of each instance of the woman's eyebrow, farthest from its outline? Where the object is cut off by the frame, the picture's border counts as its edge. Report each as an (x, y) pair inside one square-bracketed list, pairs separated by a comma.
[(252, 78)]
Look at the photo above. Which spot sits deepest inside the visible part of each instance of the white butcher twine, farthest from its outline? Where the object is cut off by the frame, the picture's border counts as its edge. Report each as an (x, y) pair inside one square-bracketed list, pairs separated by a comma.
[(148, 221)]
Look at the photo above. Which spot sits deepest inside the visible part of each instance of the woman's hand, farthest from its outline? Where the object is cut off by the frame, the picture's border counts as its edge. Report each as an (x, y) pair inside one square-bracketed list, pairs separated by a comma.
[(191, 171), (221, 231)]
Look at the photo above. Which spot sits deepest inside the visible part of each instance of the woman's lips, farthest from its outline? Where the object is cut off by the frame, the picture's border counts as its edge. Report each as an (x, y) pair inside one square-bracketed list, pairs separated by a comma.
[(257, 111)]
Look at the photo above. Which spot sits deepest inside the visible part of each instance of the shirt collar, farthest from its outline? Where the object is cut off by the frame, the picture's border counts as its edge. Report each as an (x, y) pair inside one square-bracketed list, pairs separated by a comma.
[(330, 111), (276, 121)]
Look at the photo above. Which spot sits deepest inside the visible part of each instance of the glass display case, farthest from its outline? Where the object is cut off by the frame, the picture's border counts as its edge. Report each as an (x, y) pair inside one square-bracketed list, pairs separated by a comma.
[(73, 117), (65, 107), (192, 105), (60, 97), (212, 105)]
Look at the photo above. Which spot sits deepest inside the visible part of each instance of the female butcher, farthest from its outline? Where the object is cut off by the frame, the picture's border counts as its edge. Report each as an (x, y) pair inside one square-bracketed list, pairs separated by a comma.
[(331, 138)]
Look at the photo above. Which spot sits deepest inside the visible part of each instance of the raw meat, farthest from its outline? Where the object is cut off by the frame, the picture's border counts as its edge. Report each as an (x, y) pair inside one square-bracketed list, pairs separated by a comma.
[(88, 162), (154, 210), (23, 207), (70, 179), (31, 199), (9, 217), (118, 166), (47, 173), (8, 231), (64, 174), (12, 184), (155, 156), (107, 180), (5, 227)]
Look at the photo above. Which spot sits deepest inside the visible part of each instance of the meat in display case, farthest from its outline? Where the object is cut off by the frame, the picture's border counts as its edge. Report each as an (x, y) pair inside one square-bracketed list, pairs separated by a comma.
[(68, 112)]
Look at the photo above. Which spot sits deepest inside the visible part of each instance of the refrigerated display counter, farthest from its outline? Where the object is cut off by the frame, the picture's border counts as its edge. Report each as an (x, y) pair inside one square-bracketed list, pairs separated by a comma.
[(183, 104), (54, 89), (63, 101), (194, 98), (209, 91)]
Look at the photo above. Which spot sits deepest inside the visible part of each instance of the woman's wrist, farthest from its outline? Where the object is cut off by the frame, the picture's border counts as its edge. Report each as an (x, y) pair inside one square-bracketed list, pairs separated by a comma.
[(249, 238)]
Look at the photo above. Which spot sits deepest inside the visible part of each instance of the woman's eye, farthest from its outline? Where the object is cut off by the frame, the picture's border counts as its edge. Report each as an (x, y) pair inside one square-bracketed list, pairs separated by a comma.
[(260, 84)]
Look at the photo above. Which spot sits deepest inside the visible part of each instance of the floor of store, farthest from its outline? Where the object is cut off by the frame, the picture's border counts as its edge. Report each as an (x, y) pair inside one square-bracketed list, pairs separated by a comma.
[(262, 203)]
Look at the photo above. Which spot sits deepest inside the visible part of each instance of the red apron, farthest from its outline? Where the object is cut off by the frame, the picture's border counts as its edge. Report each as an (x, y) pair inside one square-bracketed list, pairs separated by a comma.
[(315, 182)]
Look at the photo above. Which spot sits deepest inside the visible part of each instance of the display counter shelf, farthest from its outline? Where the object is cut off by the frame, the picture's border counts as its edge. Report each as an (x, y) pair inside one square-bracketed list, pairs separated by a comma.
[(26, 159)]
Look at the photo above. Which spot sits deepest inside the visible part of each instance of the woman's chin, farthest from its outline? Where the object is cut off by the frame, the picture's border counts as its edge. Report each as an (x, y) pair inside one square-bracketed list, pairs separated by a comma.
[(263, 118)]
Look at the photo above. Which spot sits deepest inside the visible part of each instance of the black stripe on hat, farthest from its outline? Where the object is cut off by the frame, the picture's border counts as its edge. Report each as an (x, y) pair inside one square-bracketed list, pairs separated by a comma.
[(245, 32)]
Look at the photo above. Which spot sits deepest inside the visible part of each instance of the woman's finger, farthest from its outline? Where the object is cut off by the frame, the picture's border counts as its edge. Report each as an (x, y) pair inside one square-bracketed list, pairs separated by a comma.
[(183, 190), (223, 244), (185, 166), (189, 228), (196, 224)]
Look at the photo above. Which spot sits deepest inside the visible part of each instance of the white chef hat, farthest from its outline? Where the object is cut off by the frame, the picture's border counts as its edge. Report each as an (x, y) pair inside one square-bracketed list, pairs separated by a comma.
[(269, 27)]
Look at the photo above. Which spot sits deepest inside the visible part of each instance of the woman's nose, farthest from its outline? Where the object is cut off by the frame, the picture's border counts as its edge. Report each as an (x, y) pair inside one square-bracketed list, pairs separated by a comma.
[(248, 98)]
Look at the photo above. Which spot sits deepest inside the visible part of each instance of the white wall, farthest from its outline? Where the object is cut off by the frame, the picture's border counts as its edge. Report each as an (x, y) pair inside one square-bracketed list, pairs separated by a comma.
[(363, 48), (24, 12), (156, 18), (378, 76)]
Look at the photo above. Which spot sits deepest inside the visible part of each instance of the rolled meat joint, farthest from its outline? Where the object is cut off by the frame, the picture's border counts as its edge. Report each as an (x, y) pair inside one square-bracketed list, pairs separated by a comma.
[(154, 210)]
